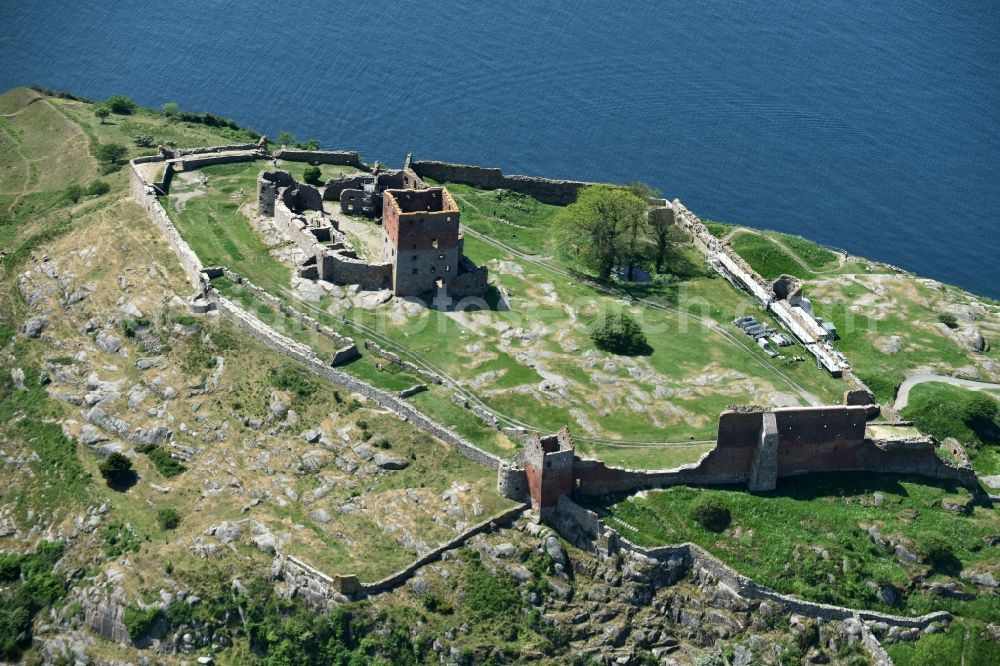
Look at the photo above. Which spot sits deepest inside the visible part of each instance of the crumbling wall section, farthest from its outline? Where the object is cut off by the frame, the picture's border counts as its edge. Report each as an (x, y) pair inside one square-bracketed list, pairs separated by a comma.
[(338, 266), (546, 190), (395, 359), (336, 157)]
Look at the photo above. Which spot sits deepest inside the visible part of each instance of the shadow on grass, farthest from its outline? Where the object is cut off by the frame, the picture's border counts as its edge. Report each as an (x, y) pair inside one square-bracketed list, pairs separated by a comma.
[(123, 482)]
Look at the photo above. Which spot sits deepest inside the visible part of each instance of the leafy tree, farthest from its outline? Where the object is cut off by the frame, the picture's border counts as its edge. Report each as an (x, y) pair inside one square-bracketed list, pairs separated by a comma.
[(111, 153), (97, 188), (605, 228), (711, 514), (659, 225), (619, 333), (116, 468), (121, 105), (313, 175), (143, 140), (171, 109), (102, 112), (311, 144), (286, 139), (168, 519)]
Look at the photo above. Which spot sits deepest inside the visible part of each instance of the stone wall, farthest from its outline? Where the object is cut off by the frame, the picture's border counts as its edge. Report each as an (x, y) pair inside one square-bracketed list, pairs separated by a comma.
[(341, 157), (197, 162), (588, 523), (202, 150), (346, 350), (504, 518), (343, 267), (546, 190), (395, 359)]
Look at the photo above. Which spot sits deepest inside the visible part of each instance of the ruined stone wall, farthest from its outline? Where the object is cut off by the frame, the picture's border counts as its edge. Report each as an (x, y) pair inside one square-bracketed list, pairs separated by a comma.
[(512, 482), (144, 194), (334, 186), (202, 150), (504, 518), (339, 267), (346, 350), (700, 561), (471, 280), (341, 157), (196, 162), (395, 359), (546, 190), (299, 197)]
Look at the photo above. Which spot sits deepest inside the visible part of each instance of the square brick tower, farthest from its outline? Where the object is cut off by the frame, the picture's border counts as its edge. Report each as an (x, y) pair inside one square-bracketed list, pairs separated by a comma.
[(422, 239), (548, 464)]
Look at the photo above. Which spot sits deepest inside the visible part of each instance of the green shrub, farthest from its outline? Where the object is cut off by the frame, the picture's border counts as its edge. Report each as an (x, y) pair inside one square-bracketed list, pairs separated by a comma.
[(97, 188), (171, 109), (74, 192), (116, 468), (489, 596), (111, 153), (140, 623), (120, 104), (165, 463), (948, 319), (436, 604), (102, 112), (119, 539), (143, 140), (711, 514), (131, 326), (313, 175), (168, 519), (619, 334)]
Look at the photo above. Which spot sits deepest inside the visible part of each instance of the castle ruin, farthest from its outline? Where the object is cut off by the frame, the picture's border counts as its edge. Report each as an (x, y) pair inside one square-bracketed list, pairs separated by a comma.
[(422, 243)]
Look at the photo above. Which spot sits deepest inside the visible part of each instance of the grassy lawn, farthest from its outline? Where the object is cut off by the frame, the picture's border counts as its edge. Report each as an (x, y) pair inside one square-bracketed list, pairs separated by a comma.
[(328, 171), (827, 513), (872, 311), (942, 410)]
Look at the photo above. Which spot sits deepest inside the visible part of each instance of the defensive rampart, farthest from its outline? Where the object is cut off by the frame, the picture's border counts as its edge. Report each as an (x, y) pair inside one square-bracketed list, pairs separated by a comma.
[(573, 521), (546, 190), (336, 157)]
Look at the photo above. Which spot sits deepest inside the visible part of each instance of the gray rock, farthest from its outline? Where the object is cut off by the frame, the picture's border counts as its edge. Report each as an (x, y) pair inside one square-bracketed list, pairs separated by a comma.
[(107, 343), (903, 554), (364, 451), (34, 326), (90, 435), (505, 550), (312, 436), (266, 543), (555, 550), (226, 532), (385, 461), (980, 578), (17, 374), (521, 574), (320, 515), (130, 309)]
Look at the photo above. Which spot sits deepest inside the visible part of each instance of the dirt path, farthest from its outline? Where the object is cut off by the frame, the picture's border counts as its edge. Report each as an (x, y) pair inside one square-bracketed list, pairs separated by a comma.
[(903, 396)]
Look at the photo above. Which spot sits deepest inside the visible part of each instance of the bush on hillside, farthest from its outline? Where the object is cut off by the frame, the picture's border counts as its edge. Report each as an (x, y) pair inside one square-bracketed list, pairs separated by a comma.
[(620, 334), (313, 175), (97, 188), (121, 105), (143, 140), (948, 319), (116, 468), (711, 514), (171, 109), (168, 519), (102, 113), (74, 192), (140, 623), (111, 153)]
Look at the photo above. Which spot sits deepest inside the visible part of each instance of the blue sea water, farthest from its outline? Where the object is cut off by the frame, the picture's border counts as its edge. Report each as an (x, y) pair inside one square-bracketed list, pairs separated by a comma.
[(870, 126)]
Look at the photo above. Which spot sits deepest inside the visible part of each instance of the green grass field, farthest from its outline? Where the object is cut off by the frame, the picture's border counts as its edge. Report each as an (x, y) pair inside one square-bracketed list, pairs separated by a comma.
[(940, 410)]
